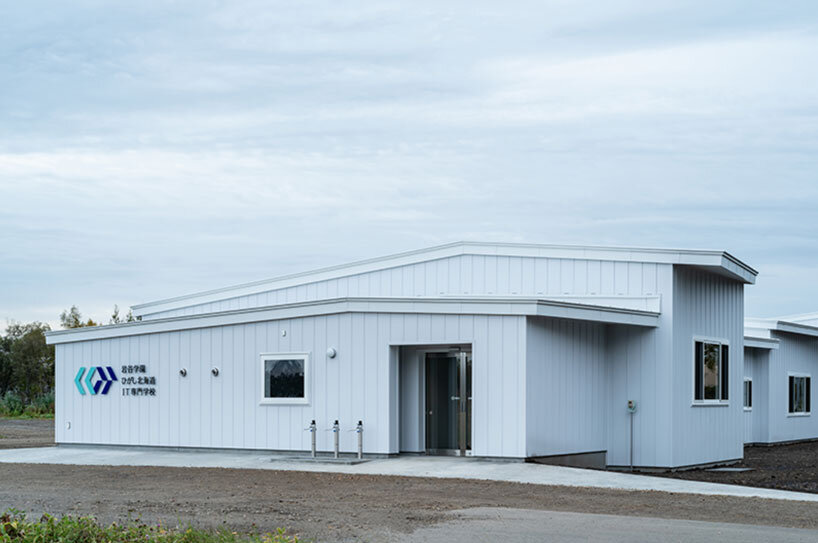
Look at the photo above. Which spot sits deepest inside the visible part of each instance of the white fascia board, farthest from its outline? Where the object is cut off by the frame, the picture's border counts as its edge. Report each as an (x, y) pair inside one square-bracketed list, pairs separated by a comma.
[(762, 328), (605, 315), (639, 303), (750, 331), (704, 258), (738, 269), (467, 306), (796, 328), (760, 342), (810, 319)]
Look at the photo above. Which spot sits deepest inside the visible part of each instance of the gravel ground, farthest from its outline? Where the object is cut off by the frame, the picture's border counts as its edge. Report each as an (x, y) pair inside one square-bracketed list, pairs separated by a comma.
[(19, 434), (785, 467), (330, 507)]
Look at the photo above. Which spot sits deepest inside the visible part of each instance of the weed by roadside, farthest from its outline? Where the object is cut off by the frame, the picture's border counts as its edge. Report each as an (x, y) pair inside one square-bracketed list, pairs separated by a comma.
[(12, 406), (16, 528)]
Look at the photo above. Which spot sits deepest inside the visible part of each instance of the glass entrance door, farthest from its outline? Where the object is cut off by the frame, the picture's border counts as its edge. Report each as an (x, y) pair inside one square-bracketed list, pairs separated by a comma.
[(448, 403)]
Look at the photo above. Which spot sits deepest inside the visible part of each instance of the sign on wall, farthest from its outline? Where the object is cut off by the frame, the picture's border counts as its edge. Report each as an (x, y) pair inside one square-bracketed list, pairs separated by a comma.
[(135, 380), (105, 377), (138, 382)]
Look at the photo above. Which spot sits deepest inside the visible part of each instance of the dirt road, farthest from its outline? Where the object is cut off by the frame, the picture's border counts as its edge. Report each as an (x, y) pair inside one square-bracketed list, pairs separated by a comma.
[(18, 434), (329, 507)]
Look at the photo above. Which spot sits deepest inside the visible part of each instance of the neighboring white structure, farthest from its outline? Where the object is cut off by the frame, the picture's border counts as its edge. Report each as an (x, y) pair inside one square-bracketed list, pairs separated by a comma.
[(781, 359), (492, 350)]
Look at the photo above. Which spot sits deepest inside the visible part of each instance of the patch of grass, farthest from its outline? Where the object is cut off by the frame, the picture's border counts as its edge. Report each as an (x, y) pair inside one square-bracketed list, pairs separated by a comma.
[(29, 416), (16, 528)]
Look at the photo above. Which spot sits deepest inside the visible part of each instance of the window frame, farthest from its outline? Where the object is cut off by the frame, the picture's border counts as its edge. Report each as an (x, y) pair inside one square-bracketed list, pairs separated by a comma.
[(807, 388), (744, 394), (305, 400), (719, 402)]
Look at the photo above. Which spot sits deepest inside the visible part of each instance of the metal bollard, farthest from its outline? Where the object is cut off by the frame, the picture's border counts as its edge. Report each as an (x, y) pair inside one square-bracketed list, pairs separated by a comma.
[(360, 431), (336, 429), (313, 430)]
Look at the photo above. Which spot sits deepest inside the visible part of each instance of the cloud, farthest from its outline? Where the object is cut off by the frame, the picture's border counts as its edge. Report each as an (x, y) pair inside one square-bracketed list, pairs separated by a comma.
[(150, 151)]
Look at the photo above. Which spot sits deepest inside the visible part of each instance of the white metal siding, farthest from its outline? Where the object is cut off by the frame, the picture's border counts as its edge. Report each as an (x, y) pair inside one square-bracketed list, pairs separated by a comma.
[(462, 275), (706, 305), (639, 369), (565, 387), (205, 411), (636, 372), (757, 367), (797, 354)]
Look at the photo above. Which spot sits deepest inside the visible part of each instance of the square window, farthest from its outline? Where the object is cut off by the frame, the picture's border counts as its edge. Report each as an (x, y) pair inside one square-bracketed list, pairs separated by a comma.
[(285, 378)]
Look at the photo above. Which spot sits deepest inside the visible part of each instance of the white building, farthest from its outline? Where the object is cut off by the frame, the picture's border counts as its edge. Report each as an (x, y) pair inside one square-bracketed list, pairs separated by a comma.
[(492, 350), (781, 357)]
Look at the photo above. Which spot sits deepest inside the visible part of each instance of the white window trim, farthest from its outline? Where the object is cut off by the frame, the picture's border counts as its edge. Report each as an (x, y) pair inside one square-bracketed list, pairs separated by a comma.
[(750, 380), (307, 381), (710, 403), (787, 398)]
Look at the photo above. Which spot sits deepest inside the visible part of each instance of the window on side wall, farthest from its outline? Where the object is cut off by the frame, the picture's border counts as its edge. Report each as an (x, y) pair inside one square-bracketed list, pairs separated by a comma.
[(800, 392), (285, 378), (748, 394), (711, 370)]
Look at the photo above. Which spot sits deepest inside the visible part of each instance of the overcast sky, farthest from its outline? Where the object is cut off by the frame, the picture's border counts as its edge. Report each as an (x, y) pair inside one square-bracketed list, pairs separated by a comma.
[(149, 150)]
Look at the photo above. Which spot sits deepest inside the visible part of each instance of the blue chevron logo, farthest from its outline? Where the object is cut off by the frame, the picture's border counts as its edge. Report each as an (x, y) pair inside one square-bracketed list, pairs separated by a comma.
[(106, 377), (104, 380)]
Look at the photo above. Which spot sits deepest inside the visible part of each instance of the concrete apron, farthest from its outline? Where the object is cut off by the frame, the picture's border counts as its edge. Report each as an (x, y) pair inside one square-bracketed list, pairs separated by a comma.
[(405, 466)]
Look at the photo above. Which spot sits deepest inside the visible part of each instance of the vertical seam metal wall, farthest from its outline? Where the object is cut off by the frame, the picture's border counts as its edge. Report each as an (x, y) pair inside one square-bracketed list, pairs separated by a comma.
[(201, 410)]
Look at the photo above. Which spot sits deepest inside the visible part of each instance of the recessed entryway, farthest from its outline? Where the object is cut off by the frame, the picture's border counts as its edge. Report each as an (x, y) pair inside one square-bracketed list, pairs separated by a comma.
[(436, 400)]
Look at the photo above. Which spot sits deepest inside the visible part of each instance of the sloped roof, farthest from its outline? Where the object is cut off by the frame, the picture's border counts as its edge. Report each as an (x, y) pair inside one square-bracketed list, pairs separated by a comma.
[(717, 261), (810, 319), (489, 305), (763, 328)]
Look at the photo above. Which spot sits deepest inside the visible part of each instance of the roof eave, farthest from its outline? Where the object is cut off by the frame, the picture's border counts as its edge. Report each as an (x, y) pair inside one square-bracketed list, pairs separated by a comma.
[(718, 260), (760, 342), (465, 306)]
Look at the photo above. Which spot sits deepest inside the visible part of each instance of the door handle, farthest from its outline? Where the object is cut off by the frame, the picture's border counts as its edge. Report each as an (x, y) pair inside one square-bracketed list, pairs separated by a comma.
[(453, 398)]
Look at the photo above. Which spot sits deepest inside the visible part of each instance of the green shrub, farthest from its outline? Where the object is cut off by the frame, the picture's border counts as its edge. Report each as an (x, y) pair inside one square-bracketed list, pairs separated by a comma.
[(41, 405), (11, 405), (15, 528)]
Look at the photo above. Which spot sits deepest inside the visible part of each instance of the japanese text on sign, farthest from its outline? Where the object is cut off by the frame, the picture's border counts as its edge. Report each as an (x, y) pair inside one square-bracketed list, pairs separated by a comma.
[(136, 382)]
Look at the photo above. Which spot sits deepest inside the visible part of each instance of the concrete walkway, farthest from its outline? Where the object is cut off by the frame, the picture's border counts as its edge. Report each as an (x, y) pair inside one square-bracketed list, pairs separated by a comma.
[(407, 466)]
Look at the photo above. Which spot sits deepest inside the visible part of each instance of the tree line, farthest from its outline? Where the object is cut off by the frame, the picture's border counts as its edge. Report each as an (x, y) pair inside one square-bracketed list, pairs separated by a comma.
[(27, 363)]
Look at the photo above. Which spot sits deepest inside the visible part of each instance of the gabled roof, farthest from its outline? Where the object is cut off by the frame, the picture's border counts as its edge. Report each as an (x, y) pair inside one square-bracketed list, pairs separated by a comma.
[(716, 261)]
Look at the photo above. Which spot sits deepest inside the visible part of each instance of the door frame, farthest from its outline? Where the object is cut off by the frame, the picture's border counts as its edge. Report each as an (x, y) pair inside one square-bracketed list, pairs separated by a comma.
[(465, 416)]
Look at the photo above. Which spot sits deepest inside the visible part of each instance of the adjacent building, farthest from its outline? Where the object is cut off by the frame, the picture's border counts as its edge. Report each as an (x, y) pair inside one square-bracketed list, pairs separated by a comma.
[(780, 360)]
